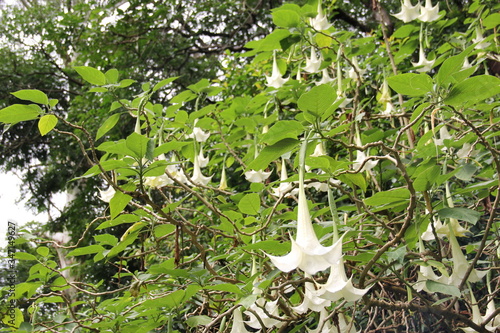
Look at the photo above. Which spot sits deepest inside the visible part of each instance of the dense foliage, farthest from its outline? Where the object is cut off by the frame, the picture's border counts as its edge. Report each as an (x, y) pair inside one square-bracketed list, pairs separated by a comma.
[(327, 179)]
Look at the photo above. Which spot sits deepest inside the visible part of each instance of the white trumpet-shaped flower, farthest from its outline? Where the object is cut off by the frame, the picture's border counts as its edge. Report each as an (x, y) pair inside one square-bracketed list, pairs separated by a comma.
[(320, 22), (311, 300), (176, 173), (460, 265), (319, 150), (429, 13), (307, 253), (355, 72), (338, 286), (202, 160), (360, 158), (408, 12), (223, 180), (275, 80), (198, 177), (477, 318), (385, 99), (325, 78), (238, 323), (158, 181), (257, 176), (313, 63), (107, 195), (479, 40), (258, 308), (423, 65), (284, 188)]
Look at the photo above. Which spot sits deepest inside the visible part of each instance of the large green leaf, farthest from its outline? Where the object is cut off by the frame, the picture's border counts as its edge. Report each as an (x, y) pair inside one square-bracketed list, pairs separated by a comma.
[(473, 90), (286, 18), (118, 203), (107, 125), (32, 95), (91, 75), (250, 204), (401, 194), (317, 100), (271, 153), (281, 130), (138, 144), (19, 112), (460, 213), (411, 84)]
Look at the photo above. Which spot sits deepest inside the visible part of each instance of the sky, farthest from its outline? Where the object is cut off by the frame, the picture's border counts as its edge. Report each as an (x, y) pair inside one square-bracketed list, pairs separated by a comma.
[(13, 206)]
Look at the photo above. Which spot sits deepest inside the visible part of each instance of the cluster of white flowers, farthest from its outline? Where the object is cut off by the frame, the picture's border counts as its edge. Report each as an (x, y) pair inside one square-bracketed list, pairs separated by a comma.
[(427, 13)]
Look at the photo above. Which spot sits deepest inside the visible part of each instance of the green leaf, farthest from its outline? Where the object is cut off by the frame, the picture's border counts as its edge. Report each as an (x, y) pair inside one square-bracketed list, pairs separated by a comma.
[(229, 287), (91, 75), (123, 218), (163, 83), (271, 153), (170, 301), (163, 229), (19, 112), (353, 180), (250, 204), (317, 100), (24, 256), (459, 213), (411, 84), (491, 21), (32, 95), (194, 321), (43, 251), (118, 203), (466, 171), (286, 18), (47, 123), (473, 90), (401, 194), (81, 251), (137, 144), (270, 42), (112, 76), (281, 130), (126, 83), (450, 67), (269, 246), (437, 287), (107, 125), (106, 239), (427, 178)]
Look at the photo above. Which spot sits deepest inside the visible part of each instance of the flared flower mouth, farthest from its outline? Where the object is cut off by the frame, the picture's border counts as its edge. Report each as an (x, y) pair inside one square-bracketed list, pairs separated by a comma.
[(428, 13), (257, 176), (275, 80), (320, 22), (408, 12)]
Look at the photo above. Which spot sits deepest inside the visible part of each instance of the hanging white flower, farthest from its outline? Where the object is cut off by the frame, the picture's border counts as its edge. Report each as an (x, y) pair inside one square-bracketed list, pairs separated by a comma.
[(460, 265), (320, 22), (429, 13), (360, 158), (355, 72), (223, 180), (325, 78), (284, 188), (307, 253), (158, 181), (202, 160), (423, 65), (311, 300), (258, 307), (107, 195), (478, 319), (257, 176), (479, 40), (408, 12), (275, 80), (312, 63), (338, 286), (198, 177), (238, 323), (199, 135), (443, 135)]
